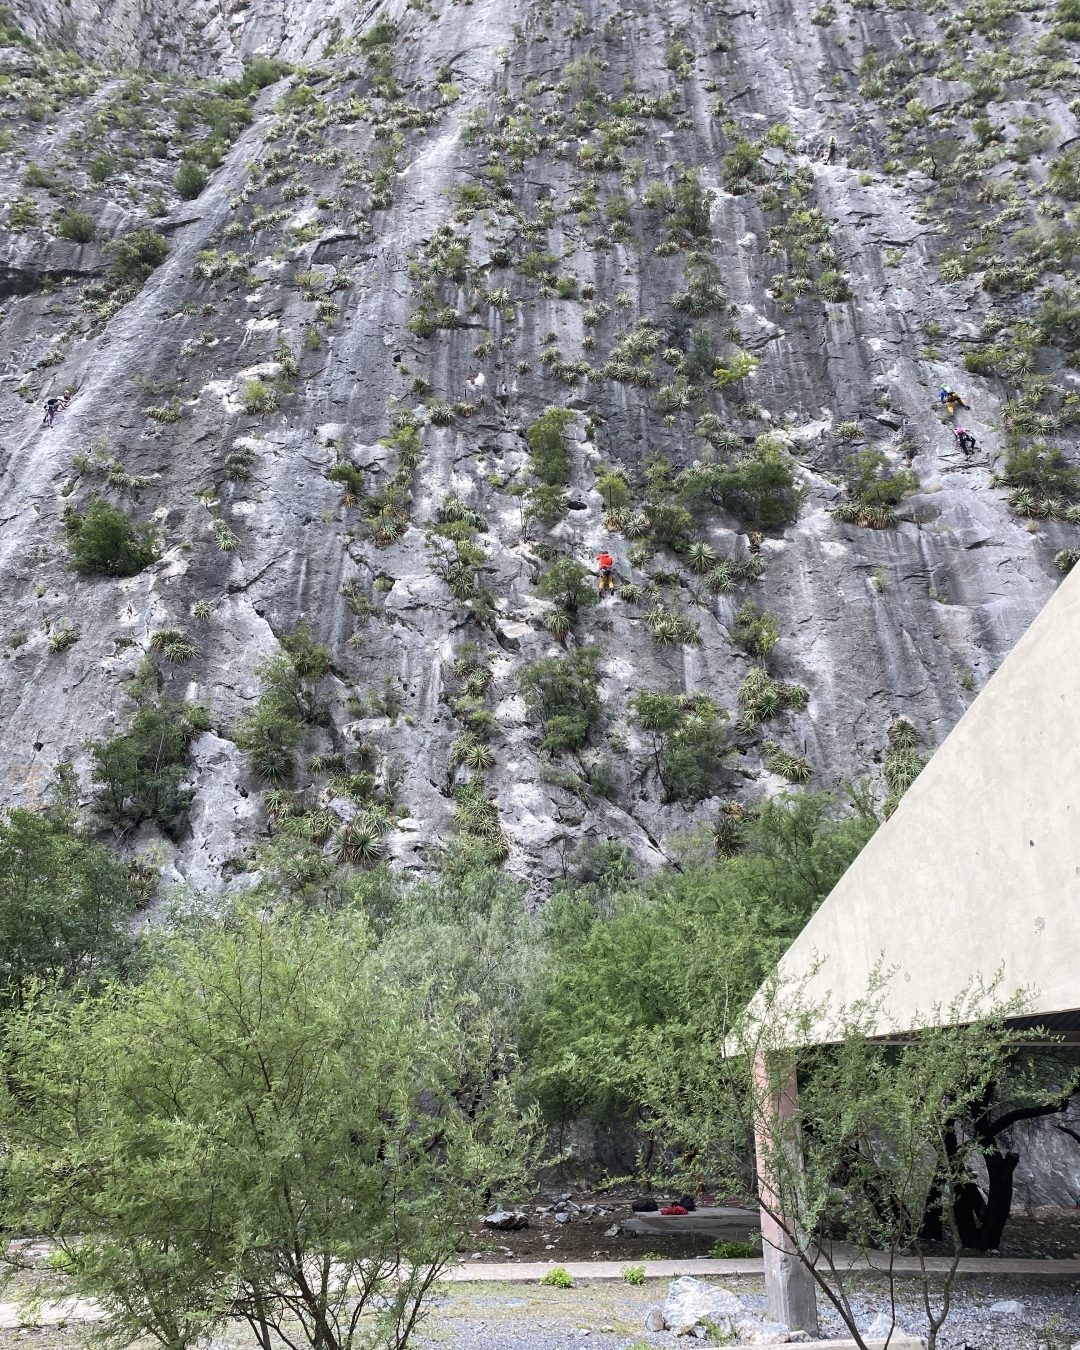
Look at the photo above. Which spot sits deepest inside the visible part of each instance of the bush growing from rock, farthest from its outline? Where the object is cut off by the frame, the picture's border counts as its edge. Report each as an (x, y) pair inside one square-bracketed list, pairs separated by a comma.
[(569, 584), (274, 728), (759, 486), (259, 397), (867, 482), (75, 225), (105, 541), (140, 772), (1042, 470), (548, 455), (755, 630), (190, 180), (135, 255), (688, 734), (563, 692)]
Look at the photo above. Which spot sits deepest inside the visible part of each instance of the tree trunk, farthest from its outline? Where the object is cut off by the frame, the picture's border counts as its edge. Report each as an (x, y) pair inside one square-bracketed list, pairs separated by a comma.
[(999, 1169)]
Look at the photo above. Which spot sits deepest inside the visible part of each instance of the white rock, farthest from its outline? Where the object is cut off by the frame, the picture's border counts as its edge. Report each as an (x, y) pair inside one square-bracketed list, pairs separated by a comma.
[(751, 1331), (1011, 1306), (691, 1301), (883, 1325)]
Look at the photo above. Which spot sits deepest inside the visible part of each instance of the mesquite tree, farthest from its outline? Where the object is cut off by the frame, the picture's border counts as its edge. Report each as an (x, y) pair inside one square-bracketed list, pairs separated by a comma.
[(273, 1127)]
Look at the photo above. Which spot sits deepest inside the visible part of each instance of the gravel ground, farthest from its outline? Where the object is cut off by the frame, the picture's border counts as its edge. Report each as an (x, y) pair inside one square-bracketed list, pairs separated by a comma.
[(612, 1317)]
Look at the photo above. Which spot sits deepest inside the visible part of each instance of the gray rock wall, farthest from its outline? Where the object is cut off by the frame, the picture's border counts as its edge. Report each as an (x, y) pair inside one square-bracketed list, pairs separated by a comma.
[(875, 623)]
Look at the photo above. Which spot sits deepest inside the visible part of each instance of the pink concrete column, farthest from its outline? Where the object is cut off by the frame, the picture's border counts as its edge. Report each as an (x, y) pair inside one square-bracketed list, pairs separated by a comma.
[(789, 1286)]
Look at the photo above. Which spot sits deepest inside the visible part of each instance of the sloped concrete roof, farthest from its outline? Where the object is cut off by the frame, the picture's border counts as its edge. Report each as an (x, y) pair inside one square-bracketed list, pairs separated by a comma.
[(978, 870)]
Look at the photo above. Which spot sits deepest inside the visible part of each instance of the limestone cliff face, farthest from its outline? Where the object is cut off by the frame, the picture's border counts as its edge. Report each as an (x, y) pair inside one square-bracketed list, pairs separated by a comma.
[(504, 189)]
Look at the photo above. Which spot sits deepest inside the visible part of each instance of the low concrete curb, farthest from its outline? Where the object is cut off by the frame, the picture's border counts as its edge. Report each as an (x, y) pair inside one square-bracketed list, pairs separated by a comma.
[(896, 1343)]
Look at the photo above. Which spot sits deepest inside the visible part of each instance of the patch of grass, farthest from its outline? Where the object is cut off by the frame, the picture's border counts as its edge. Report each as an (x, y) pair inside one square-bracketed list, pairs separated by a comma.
[(726, 1249), (558, 1277)]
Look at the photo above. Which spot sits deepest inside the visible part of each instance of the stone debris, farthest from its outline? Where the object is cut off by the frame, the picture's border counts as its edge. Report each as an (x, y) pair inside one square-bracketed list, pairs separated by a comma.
[(694, 1308), (691, 1302), (507, 1220)]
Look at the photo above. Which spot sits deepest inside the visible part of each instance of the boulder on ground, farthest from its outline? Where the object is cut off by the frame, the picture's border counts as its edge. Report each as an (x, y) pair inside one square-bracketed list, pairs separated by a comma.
[(506, 1220), (753, 1331), (691, 1302), (884, 1325)]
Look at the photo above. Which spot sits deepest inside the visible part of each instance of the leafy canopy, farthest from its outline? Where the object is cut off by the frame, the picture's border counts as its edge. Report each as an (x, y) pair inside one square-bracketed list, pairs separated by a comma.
[(65, 904), (272, 1126), (622, 960)]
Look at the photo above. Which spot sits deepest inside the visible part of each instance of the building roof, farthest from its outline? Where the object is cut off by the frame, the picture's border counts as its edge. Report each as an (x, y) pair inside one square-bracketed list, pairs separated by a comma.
[(978, 870)]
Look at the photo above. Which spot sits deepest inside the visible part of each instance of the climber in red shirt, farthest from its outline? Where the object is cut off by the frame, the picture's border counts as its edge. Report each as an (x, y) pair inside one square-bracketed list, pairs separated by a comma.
[(606, 566)]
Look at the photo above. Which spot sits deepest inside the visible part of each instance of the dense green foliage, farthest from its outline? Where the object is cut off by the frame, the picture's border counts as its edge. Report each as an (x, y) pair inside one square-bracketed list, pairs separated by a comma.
[(757, 631), (75, 225), (135, 255), (620, 955), (141, 773), (65, 904), (548, 455), (1041, 469), (758, 485), (569, 584), (688, 735), (104, 540), (868, 481), (563, 692), (272, 1125), (190, 180), (273, 730)]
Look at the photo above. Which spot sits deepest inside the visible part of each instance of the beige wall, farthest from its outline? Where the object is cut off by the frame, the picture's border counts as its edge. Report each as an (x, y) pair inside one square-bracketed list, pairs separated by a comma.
[(979, 867)]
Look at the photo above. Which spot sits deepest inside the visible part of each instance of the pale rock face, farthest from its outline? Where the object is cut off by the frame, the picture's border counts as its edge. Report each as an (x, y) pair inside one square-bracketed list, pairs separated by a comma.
[(961, 577)]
